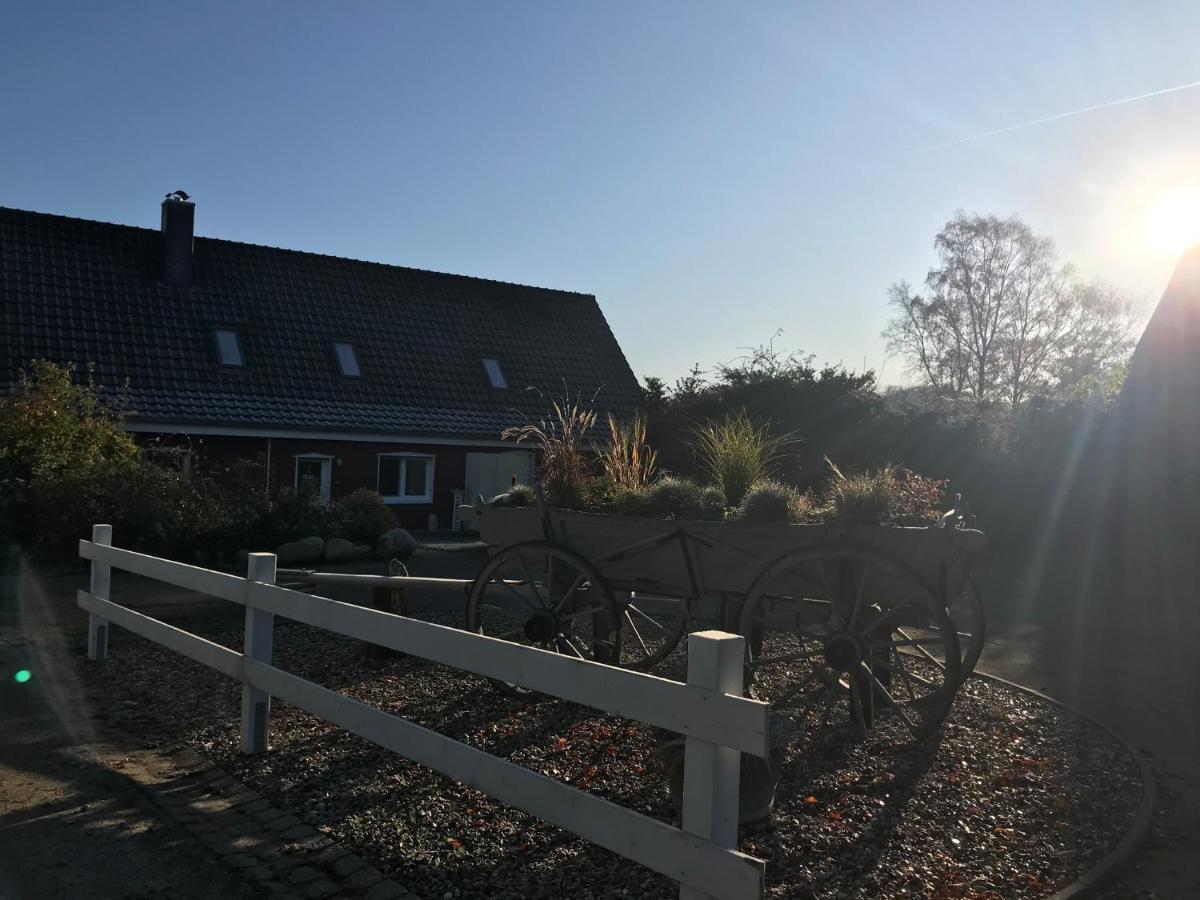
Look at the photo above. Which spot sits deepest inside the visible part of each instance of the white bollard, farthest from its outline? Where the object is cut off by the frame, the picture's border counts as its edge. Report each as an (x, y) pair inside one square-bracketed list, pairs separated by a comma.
[(101, 585), (258, 645), (711, 773)]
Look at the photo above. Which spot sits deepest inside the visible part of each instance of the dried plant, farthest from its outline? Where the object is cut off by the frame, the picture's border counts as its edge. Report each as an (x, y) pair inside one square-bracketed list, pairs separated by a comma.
[(627, 461), (736, 452), (561, 439)]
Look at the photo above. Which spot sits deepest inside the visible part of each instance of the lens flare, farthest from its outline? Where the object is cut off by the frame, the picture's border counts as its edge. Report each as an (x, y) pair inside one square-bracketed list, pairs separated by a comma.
[(22, 676), (1172, 221)]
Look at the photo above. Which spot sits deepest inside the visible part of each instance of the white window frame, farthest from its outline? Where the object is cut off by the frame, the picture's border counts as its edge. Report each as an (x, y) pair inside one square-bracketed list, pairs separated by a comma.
[(325, 486), (352, 358), (430, 462), (495, 373)]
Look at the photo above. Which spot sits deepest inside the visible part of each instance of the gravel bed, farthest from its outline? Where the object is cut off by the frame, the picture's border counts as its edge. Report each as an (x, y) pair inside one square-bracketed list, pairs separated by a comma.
[(1014, 798)]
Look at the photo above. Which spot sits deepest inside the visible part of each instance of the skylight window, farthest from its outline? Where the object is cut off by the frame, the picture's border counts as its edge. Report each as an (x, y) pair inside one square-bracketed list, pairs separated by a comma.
[(346, 358), (494, 373), (229, 350)]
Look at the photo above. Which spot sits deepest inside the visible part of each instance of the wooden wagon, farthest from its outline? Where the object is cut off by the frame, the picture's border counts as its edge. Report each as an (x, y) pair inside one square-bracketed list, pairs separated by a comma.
[(886, 619)]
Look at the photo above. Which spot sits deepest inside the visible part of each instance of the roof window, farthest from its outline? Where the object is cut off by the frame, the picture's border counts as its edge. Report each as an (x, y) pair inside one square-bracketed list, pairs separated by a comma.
[(229, 350), (347, 361), (494, 373)]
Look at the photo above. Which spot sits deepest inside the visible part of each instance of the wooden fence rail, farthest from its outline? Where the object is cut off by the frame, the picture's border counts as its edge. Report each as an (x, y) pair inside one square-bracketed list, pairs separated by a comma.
[(708, 710)]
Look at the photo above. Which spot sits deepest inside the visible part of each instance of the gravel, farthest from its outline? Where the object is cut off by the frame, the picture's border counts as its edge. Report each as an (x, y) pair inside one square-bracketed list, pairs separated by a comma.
[(1013, 798)]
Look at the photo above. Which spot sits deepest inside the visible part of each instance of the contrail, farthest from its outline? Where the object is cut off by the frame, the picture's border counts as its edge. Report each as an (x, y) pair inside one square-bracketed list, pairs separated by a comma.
[(1054, 118)]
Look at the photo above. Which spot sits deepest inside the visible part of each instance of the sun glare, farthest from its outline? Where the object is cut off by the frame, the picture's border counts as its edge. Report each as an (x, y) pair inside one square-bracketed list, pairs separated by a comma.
[(1172, 221)]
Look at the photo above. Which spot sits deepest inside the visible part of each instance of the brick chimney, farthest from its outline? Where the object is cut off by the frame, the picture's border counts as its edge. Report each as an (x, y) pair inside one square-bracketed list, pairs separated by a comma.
[(178, 223)]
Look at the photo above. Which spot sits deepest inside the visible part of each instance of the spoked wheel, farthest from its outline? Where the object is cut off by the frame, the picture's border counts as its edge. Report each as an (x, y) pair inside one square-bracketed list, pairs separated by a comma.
[(651, 629), (966, 612), (847, 635), (546, 596)]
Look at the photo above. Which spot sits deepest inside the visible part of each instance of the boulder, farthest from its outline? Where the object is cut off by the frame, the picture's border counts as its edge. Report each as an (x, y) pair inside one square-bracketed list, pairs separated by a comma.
[(288, 554), (395, 543), (305, 550), (339, 550), (362, 551), (313, 548)]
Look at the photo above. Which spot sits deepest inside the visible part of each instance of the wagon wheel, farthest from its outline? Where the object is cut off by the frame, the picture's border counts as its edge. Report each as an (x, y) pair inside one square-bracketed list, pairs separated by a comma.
[(546, 596), (651, 629), (966, 612), (843, 630)]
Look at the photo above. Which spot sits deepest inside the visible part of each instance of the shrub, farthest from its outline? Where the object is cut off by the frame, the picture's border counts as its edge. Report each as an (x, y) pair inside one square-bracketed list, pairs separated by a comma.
[(626, 460), (770, 501), (921, 499), (736, 452), (864, 498), (560, 437), (363, 516), (295, 515), (682, 498), (53, 427)]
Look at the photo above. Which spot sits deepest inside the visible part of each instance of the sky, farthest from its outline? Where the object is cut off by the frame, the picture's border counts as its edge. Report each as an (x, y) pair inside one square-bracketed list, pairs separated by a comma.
[(713, 172)]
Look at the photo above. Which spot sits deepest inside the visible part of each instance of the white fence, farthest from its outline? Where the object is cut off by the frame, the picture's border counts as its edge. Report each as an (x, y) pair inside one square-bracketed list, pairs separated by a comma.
[(708, 710)]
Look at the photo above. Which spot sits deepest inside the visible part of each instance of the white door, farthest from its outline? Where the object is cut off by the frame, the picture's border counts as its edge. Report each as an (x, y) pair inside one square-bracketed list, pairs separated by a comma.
[(490, 474), (314, 470)]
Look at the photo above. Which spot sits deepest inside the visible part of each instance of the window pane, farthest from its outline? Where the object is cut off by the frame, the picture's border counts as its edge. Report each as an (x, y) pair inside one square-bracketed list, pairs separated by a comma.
[(415, 477), (228, 350), (308, 474), (494, 373), (389, 476), (346, 358)]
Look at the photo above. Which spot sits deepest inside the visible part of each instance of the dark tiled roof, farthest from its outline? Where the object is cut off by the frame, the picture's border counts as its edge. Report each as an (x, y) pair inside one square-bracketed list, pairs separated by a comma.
[(80, 291)]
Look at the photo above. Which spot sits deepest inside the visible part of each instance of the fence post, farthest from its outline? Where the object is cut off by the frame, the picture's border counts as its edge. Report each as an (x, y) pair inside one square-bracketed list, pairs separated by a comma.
[(101, 585), (256, 704), (711, 773)]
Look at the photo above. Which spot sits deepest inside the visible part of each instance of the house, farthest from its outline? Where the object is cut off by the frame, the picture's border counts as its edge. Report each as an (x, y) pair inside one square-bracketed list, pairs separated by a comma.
[(349, 373)]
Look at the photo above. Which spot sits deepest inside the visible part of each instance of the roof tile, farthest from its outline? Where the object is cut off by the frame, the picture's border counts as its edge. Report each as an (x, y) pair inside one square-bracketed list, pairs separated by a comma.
[(81, 291)]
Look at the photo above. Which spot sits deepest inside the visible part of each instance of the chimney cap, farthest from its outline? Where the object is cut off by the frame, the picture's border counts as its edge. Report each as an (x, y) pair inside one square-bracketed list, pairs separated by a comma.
[(178, 195)]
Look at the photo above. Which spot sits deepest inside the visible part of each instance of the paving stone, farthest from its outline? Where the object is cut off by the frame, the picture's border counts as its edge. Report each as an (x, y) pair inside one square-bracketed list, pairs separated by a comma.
[(283, 823), (348, 864), (296, 833), (386, 890), (254, 843), (242, 828), (364, 878), (201, 827), (257, 806), (260, 873), (301, 874), (322, 888), (330, 855), (242, 860)]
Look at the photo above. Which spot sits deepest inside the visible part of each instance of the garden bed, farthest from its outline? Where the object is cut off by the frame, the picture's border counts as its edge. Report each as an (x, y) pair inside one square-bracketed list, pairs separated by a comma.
[(1014, 798)]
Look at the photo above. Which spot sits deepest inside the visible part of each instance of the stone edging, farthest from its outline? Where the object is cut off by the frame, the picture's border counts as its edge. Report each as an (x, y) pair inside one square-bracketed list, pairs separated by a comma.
[(1120, 856)]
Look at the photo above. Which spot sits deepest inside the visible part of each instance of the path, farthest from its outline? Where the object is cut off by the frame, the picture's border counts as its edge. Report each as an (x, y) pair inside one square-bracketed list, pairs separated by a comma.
[(72, 822)]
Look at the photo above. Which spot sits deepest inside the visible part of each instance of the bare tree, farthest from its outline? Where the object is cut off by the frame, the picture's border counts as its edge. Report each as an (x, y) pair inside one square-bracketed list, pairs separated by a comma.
[(999, 314), (1098, 338)]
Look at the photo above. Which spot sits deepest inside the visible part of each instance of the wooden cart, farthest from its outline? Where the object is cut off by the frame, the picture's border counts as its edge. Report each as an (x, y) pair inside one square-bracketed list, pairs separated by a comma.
[(886, 619)]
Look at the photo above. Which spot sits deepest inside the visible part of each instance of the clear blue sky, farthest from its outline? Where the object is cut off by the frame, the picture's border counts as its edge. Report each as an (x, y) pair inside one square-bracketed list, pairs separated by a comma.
[(712, 172)]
